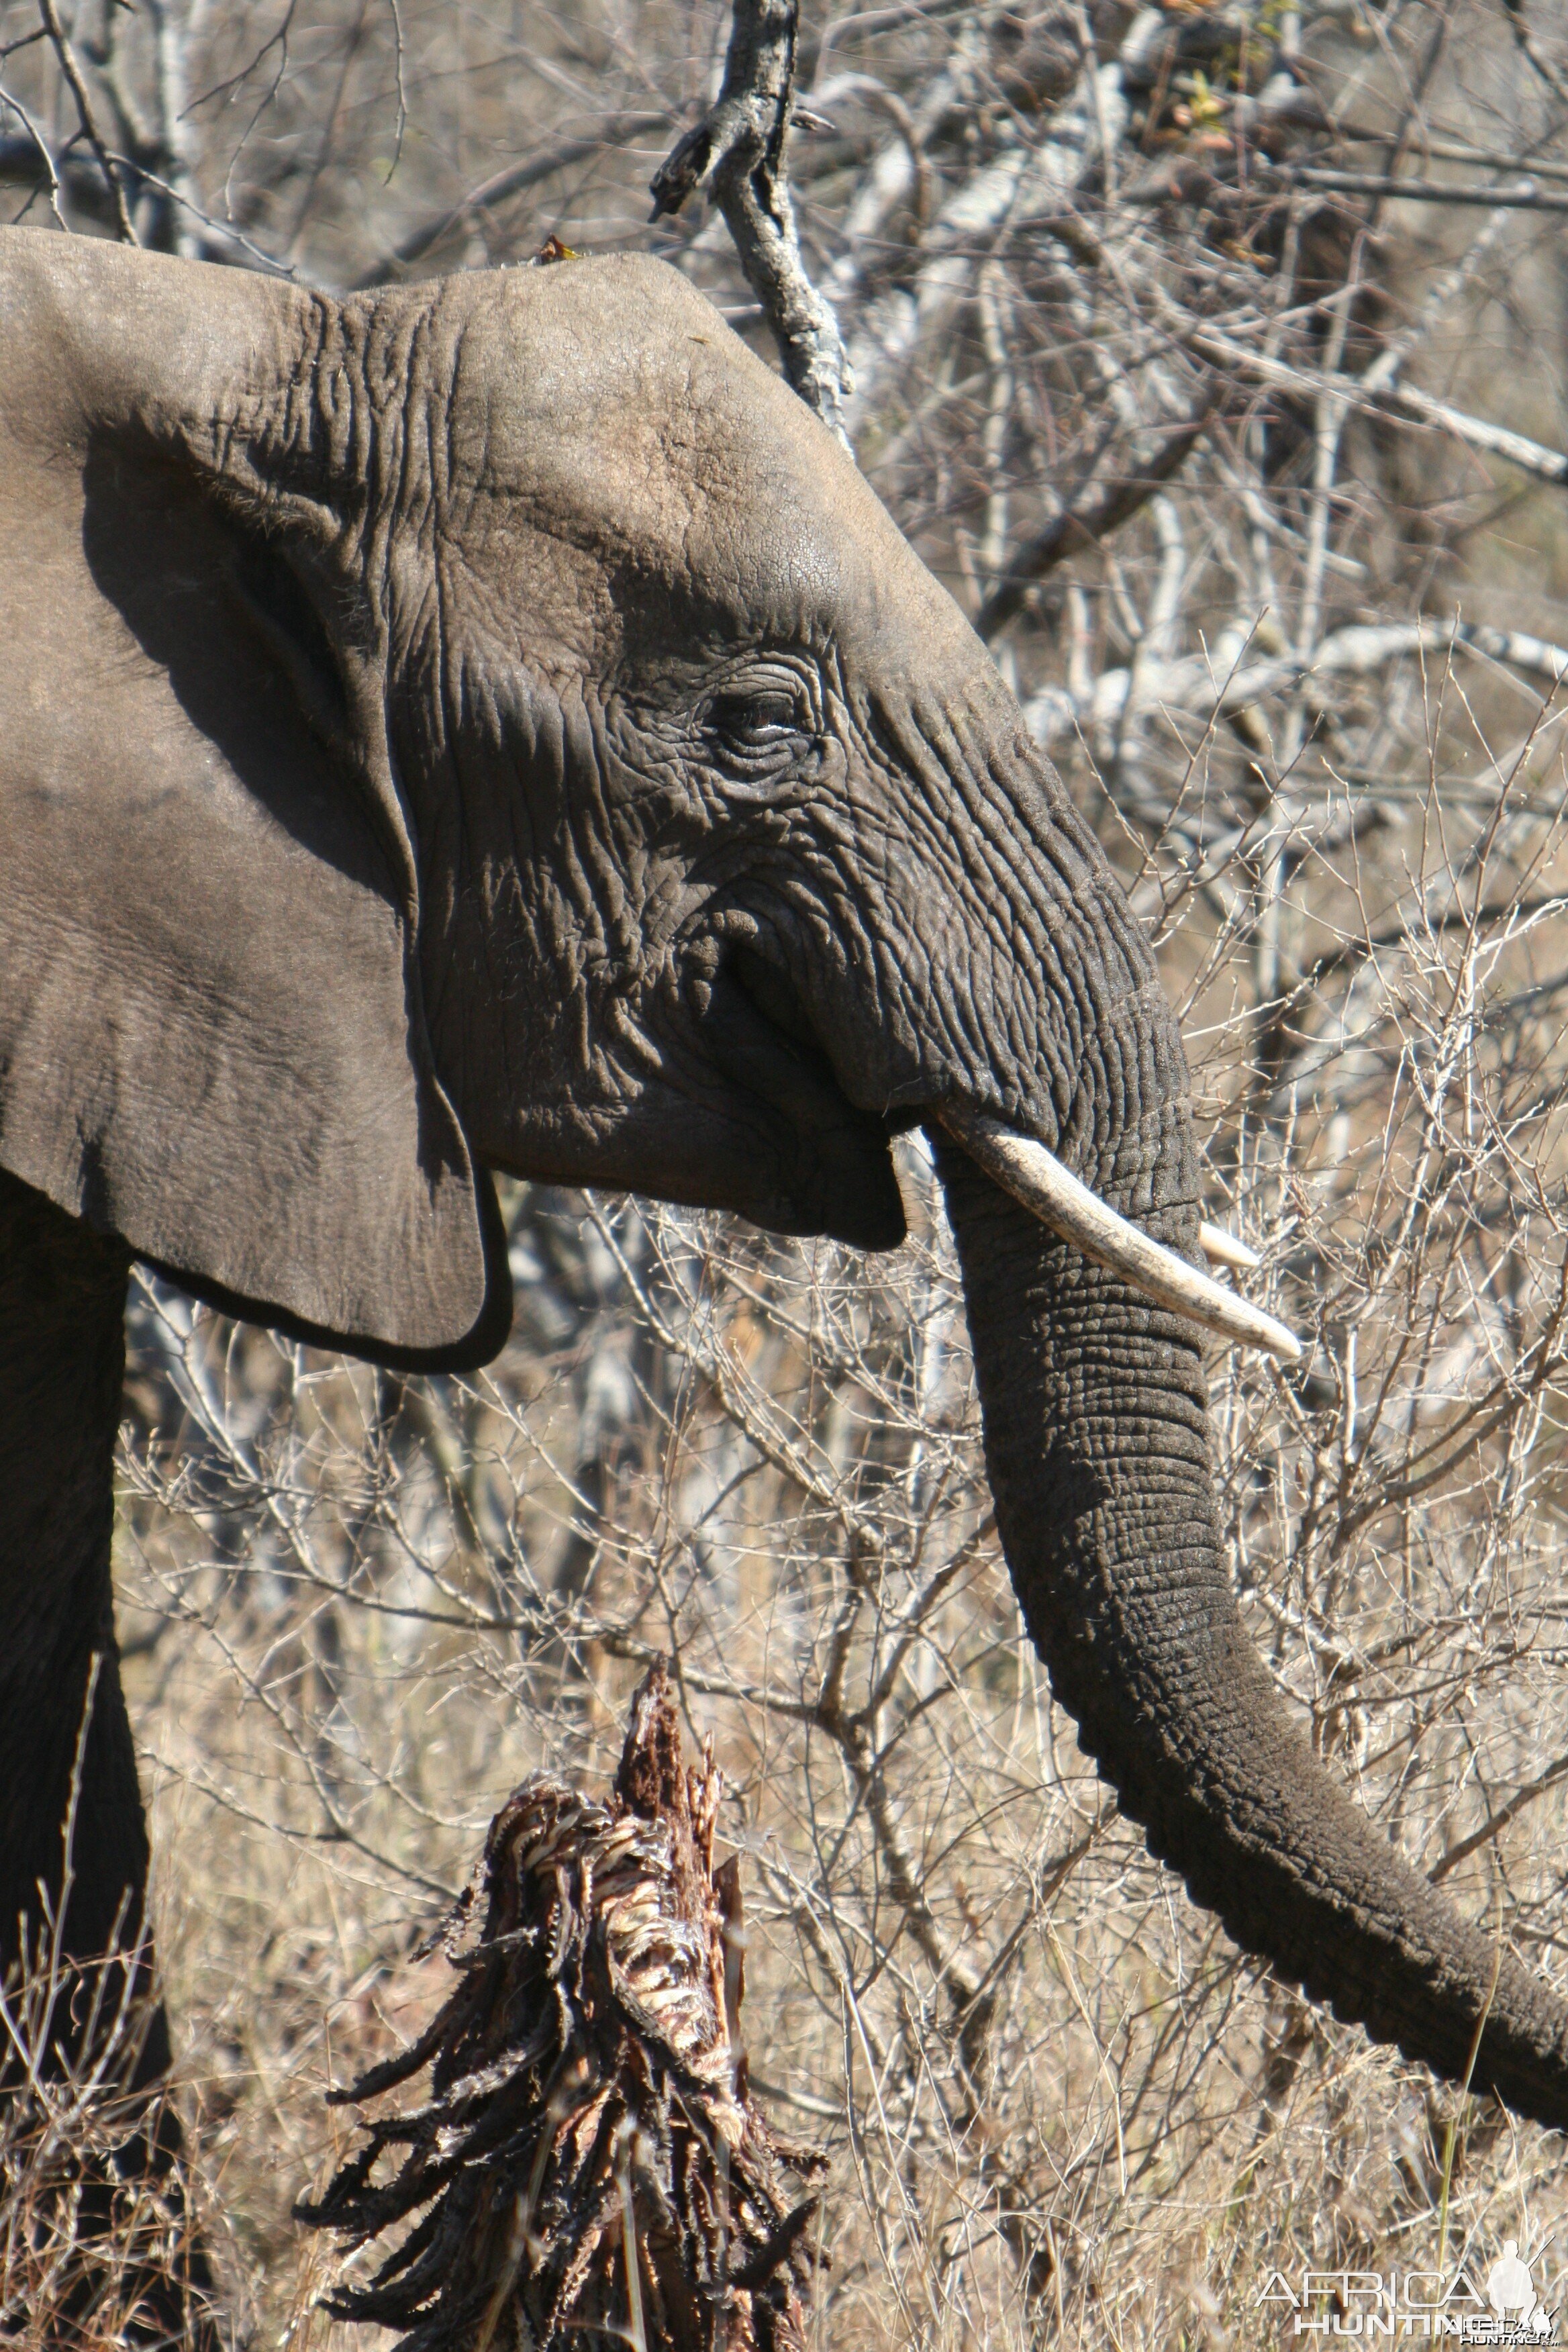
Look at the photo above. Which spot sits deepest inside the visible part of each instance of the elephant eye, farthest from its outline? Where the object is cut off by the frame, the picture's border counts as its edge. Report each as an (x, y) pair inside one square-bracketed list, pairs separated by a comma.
[(755, 735)]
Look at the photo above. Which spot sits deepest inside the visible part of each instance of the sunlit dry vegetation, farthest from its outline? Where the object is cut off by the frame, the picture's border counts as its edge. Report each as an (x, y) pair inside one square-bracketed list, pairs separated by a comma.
[(1250, 469)]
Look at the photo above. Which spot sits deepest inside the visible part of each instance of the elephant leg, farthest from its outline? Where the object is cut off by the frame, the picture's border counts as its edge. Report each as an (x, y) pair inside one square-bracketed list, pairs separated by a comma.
[(74, 1922)]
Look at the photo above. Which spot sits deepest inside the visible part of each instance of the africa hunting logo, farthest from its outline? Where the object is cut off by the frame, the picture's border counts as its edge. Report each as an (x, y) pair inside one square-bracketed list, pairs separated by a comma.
[(1505, 2309)]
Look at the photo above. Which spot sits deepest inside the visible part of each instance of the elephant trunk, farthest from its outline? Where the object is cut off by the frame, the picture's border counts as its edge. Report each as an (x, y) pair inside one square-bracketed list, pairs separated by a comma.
[(1097, 1443)]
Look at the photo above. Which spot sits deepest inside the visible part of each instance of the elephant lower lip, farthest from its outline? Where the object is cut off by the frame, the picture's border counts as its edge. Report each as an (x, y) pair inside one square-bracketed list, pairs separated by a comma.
[(833, 1171)]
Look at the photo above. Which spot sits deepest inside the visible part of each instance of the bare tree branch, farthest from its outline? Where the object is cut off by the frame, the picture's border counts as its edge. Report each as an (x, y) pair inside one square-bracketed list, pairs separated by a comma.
[(739, 147), (1091, 514), (1551, 75), (616, 131), (1401, 402), (1454, 151), (1523, 198), (71, 69), (34, 150)]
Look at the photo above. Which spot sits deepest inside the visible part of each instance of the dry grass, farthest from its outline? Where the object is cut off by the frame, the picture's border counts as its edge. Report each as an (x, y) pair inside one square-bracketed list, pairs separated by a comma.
[(102, 2218), (99, 2251)]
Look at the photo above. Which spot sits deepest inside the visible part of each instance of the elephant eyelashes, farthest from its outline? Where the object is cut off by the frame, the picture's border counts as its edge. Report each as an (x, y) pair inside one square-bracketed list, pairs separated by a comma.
[(756, 738)]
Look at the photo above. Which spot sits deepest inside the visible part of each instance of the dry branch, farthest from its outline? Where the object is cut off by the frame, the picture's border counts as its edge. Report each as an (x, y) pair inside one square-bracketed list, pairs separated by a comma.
[(99, 2242), (1194, 687), (1453, 150), (618, 130), (739, 147), (1522, 197), (1097, 507), (70, 69)]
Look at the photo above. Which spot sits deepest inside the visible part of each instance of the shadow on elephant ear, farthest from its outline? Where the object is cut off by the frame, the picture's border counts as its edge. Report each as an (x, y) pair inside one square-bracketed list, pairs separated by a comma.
[(213, 1039), (216, 605)]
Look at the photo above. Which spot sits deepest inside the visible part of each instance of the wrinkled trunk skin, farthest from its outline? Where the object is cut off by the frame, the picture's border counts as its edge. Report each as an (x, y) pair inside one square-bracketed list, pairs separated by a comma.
[(1097, 1446)]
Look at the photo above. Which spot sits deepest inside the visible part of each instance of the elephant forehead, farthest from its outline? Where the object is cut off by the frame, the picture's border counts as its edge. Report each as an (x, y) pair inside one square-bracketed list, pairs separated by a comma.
[(608, 404)]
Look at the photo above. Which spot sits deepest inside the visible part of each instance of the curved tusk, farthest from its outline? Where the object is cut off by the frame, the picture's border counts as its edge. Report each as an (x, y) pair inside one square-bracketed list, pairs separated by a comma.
[(1220, 1248), (1035, 1177)]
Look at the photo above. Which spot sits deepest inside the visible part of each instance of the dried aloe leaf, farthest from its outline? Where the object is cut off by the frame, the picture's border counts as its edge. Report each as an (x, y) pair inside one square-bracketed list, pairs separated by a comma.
[(588, 2153)]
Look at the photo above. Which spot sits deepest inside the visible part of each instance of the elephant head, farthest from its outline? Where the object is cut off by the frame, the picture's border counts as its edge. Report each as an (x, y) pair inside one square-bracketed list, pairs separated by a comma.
[(491, 726)]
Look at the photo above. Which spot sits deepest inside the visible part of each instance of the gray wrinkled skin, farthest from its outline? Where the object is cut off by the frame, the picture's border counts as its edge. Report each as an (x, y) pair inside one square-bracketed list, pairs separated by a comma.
[(525, 639), (491, 725)]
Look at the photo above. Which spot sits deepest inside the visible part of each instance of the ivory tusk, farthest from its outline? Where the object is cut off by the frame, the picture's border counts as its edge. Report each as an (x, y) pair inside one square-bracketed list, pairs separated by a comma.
[(1036, 1179), (1220, 1248)]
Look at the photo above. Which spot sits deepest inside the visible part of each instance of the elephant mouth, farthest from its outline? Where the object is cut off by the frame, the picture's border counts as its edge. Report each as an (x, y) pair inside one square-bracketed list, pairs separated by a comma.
[(836, 1174), (830, 1167)]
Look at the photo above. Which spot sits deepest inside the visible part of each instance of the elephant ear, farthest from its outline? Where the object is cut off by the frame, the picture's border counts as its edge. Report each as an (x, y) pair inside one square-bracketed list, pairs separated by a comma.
[(212, 1036)]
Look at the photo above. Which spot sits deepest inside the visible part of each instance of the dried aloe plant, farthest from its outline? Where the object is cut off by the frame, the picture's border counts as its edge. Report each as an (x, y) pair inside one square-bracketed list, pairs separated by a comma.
[(589, 2156)]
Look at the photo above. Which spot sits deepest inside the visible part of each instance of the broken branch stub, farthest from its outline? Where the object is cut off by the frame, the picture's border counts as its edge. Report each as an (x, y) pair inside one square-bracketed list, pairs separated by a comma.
[(738, 149), (588, 2157)]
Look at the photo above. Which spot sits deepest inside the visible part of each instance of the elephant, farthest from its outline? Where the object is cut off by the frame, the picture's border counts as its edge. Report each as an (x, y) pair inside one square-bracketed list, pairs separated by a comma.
[(489, 726)]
